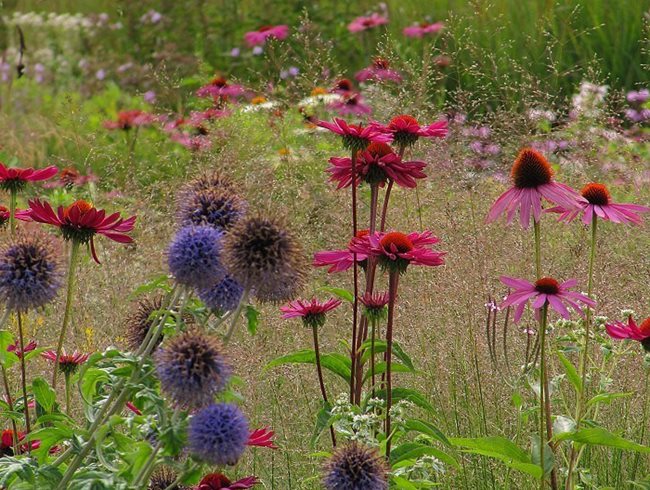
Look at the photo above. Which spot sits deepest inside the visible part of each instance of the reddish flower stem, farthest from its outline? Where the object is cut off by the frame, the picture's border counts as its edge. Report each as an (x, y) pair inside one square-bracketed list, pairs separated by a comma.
[(384, 211), (319, 369), (393, 281), (353, 354), (11, 408)]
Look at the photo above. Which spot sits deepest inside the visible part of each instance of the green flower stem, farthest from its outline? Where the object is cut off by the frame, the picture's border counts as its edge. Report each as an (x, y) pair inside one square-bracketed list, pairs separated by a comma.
[(355, 269), (393, 281), (538, 250), (644, 422), (319, 370), (237, 314), (23, 376), (542, 401), (66, 377), (12, 211), (74, 255), (150, 464), (10, 402)]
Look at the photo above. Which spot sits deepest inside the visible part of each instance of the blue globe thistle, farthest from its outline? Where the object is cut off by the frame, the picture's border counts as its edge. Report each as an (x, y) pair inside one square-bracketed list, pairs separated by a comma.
[(214, 207), (192, 369), (30, 275), (355, 467), (223, 296), (194, 256), (218, 434)]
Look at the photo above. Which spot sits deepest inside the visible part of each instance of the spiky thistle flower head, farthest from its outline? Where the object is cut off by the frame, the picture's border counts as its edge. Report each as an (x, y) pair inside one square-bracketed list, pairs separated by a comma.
[(192, 369), (260, 253), (223, 296), (218, 434), (213, 180), (214, 207), (355, 467), (30, 275), (194, 256), (163, 479), (140, 321)]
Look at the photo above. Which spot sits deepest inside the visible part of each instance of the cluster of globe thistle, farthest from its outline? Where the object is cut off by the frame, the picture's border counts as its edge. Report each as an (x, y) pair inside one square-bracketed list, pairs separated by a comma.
[(355, 467)]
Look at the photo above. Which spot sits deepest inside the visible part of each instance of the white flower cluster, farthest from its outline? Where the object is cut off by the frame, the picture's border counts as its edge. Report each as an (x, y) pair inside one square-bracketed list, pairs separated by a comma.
[(65, 22), (589, 101), (425, 469), (538, 115)]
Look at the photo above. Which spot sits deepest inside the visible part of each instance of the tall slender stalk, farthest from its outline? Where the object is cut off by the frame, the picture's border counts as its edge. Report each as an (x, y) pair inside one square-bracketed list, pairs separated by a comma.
[(23, 376), (542, 401), (384, 211), (538, 250), (236, 314), (74, 254), (10, 402), (321, 382), (644, 422), (12, 211), (393, 281), (373, 326), (355, 268)]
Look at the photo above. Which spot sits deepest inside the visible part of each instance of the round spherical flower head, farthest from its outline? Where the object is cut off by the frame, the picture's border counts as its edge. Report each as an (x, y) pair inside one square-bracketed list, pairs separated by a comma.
[(13, 179), (194, 256), (260, 36), (532, 178), (375, 305), (68, 363), (312, 312), (211, 207), (406, 130), (219, 481), (223, 296), (376, 165), (596, 201), (30, 275), (140, 321), (545, 291), (631, 330), (341, 260), (355, 467), (355, 136), (192, 369), (218, 434), (81, 221), (396, 251), (261, 254)]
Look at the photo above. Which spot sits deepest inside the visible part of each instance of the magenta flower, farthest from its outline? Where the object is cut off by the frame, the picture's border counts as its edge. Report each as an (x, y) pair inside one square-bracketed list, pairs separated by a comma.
[(342, 87), (341, 260), (423, 29), (127, 120), (376, 165), (595, 200), (632, 331), (351, 105), (312, 312), (397, 250), (379, 71), (68, 363), (544, 291), (262, 438), (260, 36), (219, 481), (406, 130), (14, 178), (15, 348), (220, 88), (355, 136), (532, 178), (364, 23)]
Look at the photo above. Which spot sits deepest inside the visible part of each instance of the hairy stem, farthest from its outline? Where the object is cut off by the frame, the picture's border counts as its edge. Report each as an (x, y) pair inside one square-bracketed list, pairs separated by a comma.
[(23, 376), (321, 382), (393, 282)]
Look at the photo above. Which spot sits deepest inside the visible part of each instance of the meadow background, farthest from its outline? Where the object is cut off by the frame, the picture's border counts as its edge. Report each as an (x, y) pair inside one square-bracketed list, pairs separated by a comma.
[(506, 57)]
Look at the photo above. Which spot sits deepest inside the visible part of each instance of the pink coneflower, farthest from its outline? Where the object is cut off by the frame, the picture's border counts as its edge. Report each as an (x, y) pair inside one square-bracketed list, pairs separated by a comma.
[(68, 363), (351, 105), (219, 481), (193, 142), (595, 200), (363, 23), (342, 86), (544, 291), (264, 33), (14, 178), (341, 260), (379, 71), (375, 304), (220, 88), (632, 331), (423, 29), (127, 120), (532, 178), (262, 438), (15, 348), (406, 130), (377, 164), (70, 177), (7, 443), (312, 311), (397, 250), (355, 136)]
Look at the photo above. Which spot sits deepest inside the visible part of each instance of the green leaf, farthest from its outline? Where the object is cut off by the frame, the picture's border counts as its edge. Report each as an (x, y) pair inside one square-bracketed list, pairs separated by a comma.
[(607, 398), (380, 346), (402, 483), (323, 420), (90, 379), (502, 449), (344, 294), (334, 362), (44, 394), (252, 318), (414, 450), (380, 368), (413, 396), (48, 437), (426, 428), (571, 372), (597, 436), (158, 282), (7, 359)]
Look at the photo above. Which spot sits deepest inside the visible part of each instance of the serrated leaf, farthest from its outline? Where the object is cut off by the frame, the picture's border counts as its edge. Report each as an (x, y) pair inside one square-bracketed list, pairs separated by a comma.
[(44, 394), (334, 362)]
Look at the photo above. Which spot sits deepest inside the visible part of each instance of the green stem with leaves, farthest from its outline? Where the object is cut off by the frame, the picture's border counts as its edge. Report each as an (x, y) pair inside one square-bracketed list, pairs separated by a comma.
[(23, 375), (542, 375), (236, 314), (12, 211)]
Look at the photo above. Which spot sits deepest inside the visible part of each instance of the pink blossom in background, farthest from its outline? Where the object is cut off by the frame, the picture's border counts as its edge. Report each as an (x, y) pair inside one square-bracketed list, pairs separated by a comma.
[(364, 23), (260, 36), (351, 105), (379, 71), (423, 29)]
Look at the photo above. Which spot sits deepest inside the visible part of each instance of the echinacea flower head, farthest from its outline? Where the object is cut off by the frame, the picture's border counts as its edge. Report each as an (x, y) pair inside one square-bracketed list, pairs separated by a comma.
[(210, 207), (378, 71), (375, 305), (194, 256), (355, 136), (218, 434), (70, 177), (14, 179), (355, 467), (365, 22), (81, 221), (163, 478), (223, 296), (15, 348), (545, 291), (351, 104), (261, 254), (219, 87), (264, 33), (376, 165), (127, 120), (312, 312), (396, 251), (423, 29), (631, 330), (144, 316), (219, 481), (262, 438), (341, 260), (30, 273), (342, 86), (595, 200), (532, 178), (192, 369), (68, 363), (406, 130)]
